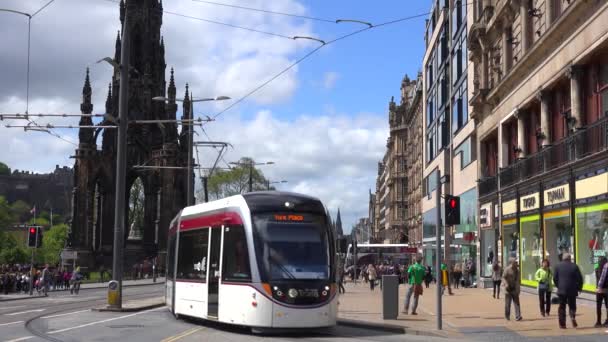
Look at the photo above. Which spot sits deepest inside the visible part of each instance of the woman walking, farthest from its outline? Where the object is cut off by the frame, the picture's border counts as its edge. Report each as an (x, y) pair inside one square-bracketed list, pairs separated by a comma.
[(372, 275), (457, 275), (496, 280), (428, 276), (602, 291), (544, 276)]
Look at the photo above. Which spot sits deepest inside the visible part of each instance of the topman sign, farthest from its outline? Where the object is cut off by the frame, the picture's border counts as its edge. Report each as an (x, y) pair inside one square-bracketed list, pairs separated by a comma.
[(557, 195)]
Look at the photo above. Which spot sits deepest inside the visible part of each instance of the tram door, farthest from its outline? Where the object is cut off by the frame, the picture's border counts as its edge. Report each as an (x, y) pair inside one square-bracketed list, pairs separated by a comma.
[(214, 271)]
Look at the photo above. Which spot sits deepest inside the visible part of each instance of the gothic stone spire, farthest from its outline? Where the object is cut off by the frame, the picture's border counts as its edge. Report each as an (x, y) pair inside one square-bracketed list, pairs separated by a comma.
[(85, 135)]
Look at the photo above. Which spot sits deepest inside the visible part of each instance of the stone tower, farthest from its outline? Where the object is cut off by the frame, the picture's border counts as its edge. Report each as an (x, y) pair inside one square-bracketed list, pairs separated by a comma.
[(92, 226)]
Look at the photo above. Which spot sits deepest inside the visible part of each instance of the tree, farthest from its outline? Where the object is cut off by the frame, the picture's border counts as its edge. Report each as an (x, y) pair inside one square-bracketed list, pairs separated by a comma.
[(53, 242), (136, 209), (225, 183), (4, 169)]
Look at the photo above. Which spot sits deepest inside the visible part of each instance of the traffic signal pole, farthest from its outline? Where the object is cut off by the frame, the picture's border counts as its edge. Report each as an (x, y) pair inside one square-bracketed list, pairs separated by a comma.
[(438, 250)]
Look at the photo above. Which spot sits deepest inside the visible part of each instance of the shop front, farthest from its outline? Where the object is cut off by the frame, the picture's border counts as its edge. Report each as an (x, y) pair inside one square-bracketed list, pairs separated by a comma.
[(509, 231), (487, 239), (591, 224), (558, 228), (530, 241), (463, 246)]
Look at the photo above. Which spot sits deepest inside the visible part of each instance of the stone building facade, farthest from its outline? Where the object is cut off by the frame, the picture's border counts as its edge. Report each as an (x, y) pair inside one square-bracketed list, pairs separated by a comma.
[(93, 197), (541, 103)]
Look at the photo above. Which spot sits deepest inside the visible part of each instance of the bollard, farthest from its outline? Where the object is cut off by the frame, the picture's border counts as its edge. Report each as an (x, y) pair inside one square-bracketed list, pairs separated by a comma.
[(390, 296), (113, 293)]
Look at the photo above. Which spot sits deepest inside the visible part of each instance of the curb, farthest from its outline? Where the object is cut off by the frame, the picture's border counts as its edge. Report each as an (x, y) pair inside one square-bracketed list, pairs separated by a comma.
[(135, 309), (81, 289), (392, 328)]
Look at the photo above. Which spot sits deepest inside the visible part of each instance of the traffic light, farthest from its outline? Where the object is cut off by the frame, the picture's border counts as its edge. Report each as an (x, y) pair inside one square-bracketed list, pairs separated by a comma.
[(34, 237), (452, 210)]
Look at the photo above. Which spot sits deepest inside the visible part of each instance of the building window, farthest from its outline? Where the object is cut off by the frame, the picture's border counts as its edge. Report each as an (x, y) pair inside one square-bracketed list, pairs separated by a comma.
[(460, 114), (456, 16), (192, 255), (466, 151), (430, 110)]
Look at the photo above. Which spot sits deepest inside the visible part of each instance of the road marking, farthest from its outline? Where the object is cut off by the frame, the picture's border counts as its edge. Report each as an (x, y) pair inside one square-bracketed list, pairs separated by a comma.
[(23, 312), (20, 339), (3, 324), (65, 314), (182, 335), (103, 321)]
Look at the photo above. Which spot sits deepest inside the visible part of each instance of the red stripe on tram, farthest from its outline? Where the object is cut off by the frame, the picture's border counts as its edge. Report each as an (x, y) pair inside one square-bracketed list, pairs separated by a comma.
[(213, 220)]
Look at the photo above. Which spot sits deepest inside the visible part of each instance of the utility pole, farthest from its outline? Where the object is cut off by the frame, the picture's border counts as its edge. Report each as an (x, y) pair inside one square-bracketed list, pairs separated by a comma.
[(121, 162), (438, 250), (205, 188), (251, 176), (189, 182)]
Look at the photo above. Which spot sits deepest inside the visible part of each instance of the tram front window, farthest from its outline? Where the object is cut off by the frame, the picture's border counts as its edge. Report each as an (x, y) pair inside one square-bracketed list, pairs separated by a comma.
[(292, 246)]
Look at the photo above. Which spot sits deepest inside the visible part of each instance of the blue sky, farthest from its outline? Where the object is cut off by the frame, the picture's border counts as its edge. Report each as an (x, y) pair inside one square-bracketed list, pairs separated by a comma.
[(324, 123)]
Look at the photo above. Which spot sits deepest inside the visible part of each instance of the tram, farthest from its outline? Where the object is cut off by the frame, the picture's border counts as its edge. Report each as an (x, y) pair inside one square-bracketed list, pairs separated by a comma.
[(261, 259)]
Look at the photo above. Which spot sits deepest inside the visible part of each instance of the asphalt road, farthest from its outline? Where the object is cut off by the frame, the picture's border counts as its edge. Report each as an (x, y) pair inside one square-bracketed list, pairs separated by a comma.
[(65, 317)]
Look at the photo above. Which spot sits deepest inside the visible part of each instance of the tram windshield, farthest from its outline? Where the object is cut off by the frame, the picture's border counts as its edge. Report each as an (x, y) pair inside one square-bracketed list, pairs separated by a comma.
[(292, 246)]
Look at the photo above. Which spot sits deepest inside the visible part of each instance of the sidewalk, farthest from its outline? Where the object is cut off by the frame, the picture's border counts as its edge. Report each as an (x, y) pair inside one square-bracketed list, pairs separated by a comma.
[(471, 313), (87, 286), (135, 305)]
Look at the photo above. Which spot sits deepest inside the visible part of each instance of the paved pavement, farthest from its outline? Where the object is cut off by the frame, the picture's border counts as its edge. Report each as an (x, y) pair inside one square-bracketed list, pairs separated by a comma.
[(86, 286), (471, 314)]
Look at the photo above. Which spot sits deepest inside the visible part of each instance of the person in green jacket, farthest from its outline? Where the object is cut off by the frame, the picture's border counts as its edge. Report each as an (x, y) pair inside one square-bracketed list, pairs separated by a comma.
[(415, 275), (544, 277)]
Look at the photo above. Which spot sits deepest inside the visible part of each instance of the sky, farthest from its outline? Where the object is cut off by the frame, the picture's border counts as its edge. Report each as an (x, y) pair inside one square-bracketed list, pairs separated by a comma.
[(324, 123)]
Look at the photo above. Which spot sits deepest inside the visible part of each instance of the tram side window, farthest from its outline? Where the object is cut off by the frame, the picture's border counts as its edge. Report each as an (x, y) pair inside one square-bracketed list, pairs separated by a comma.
[(236, 258), (192, 255)]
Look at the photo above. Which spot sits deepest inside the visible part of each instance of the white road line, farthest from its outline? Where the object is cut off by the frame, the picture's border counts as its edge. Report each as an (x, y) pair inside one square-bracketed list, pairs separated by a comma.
[(103, 321), (20, 339), (65, 314), (12, 307), (3, 324), (23, 312)]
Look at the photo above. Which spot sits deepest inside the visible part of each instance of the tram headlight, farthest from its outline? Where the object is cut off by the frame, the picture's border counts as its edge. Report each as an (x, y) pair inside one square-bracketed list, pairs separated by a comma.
[(324, 293), (326, 288), (292, 293), (279, 293)]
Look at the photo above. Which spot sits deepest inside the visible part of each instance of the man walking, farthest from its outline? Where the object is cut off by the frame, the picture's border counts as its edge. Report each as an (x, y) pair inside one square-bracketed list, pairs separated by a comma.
[(415, 275), (512, 289), (569, 282)]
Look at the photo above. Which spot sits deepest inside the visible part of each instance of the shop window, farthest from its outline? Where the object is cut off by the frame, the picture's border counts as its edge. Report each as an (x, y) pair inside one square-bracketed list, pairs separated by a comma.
[(488, 247), (192, 255), (592, 240), (510, 241), (559, 235), (531, 249)]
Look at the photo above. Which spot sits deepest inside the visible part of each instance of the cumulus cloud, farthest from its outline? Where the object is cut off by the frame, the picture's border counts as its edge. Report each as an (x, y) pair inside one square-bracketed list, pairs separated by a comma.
[(331, 157), (329, 79)]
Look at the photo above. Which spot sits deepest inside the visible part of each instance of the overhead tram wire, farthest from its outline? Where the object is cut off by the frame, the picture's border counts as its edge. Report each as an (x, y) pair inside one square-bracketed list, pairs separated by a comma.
[(312, 52), (266, 11)]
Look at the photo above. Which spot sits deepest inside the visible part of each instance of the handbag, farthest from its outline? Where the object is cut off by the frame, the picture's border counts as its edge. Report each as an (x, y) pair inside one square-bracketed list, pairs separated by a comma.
[(418, 290), (543, 286)]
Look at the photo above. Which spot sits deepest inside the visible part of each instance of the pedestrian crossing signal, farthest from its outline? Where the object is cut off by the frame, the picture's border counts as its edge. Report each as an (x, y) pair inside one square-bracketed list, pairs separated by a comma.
[(34, 237), (452, 210)]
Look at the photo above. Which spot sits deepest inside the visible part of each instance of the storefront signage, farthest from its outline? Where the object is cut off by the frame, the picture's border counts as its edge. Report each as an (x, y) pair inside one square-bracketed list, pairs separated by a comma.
[(557, 195), (485, 216), (592, 186), (529, 202), (509, 207)]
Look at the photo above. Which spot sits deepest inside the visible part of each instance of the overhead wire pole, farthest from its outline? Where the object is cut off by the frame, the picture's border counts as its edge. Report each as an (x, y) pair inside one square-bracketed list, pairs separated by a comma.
[(121, 161)]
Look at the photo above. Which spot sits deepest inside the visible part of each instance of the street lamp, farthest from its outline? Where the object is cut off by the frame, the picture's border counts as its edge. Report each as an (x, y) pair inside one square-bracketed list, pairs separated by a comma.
[(274, 182), (189, 183), (251, 165)]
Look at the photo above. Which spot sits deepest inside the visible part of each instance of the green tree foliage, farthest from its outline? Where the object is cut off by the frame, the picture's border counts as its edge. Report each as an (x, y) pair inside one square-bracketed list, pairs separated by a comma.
[(4, 169), (225, 183), (21, 210), (10, 251), (53, 242), (136, 208)]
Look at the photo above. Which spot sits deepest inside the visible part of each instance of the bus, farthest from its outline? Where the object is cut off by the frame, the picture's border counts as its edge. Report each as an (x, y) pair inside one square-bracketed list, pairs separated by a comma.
[(261, 259), (378, 253)]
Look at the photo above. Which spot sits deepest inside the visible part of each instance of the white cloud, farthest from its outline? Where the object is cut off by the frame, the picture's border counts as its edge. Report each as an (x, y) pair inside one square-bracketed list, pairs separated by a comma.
[(330, 157), (329, 79)]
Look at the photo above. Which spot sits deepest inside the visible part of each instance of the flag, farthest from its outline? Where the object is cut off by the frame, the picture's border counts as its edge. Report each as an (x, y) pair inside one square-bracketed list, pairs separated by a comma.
[(33, 211)]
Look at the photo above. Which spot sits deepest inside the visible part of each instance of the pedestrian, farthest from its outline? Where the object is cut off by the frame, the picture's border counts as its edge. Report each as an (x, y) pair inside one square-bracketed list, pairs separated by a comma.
[(371, 275), (544, 277), (341, 288), (76, 280), (601, 291), (569, 282), (416, 273), (45, 277), (512, 289), (496, 280), (445, 279), (428, 276), (457, 275)]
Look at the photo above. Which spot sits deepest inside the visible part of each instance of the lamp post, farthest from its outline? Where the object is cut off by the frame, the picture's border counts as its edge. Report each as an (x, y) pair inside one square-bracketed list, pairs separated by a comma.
[(275, 182), (251, 165), (189, 183)]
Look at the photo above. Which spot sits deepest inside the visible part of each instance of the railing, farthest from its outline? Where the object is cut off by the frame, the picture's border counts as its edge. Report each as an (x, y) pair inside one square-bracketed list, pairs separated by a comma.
[(586, 142), (487, 185)]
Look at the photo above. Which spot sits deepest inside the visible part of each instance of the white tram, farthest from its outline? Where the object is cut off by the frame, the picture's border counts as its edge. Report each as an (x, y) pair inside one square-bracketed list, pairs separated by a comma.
[(262, 259)]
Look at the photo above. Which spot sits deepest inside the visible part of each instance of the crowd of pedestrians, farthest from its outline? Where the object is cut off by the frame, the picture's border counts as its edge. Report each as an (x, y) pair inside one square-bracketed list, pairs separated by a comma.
[(16, 279)]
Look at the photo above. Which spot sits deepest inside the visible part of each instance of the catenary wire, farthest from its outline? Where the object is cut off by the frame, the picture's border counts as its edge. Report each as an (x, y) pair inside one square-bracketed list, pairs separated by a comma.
[(312, 52), (266, 11)]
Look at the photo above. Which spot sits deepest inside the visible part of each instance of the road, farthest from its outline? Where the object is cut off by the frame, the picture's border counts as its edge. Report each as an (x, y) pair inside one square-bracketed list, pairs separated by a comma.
[(65, 317)]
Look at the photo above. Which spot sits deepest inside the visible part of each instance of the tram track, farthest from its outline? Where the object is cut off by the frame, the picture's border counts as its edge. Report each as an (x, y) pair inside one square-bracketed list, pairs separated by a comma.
[(66, 308)]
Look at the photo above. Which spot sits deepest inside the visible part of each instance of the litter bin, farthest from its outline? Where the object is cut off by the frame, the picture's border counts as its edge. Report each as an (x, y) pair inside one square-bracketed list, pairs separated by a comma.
[(113, 293), (390, 296)]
